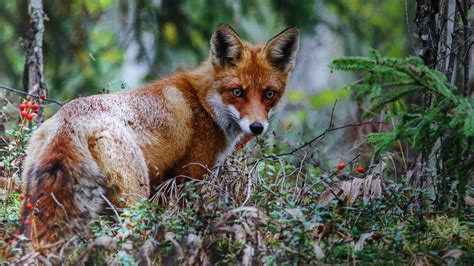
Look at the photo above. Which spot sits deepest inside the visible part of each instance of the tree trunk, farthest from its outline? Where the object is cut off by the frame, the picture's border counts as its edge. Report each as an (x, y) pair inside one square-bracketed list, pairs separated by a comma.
[(445, 41), (426, 14), (33, 80)]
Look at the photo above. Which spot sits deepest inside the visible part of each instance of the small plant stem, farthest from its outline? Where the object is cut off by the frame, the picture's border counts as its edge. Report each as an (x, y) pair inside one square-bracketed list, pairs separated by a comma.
[(401, 151)]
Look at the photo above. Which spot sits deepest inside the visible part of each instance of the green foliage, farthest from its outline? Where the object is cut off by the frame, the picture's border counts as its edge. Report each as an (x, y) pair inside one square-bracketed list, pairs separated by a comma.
[(80, 54), (442, 130), (9, 213), (377, 23), (12, 154), (284, 230)]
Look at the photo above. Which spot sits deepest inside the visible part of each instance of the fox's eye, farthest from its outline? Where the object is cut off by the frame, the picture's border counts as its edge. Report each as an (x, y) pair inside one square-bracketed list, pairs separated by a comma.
[(237, 92), (269, 94)]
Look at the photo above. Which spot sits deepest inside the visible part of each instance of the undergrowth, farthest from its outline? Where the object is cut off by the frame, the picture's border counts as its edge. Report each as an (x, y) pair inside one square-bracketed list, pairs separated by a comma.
[(282, 220), (275, 204)]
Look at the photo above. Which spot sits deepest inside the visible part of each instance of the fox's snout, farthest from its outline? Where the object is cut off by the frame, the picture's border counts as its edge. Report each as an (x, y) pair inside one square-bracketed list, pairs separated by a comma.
[(255, 127)]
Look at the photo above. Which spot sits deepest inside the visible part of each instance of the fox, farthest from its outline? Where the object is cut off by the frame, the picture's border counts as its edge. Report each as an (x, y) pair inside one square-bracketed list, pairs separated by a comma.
[(113, 149)]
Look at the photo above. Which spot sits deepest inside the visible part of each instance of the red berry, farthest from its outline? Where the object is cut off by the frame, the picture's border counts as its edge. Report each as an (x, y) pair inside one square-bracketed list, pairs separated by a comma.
[(29, 206), (22, 106), (29, 116), (27, 222), (35, 106), (341, 166), (22, 197), (28, 105), (360, 170), (36, 111), (23, 113), (42, 96)]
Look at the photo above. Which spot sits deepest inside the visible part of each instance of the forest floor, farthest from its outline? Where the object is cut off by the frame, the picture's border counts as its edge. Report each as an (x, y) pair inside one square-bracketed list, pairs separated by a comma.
[(272, 208)]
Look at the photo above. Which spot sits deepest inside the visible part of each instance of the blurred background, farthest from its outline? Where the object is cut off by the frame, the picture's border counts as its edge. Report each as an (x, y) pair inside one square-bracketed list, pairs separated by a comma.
[(104, 46)]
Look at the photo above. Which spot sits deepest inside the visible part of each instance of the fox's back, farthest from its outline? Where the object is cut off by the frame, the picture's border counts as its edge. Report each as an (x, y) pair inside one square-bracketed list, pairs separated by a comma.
[(164, 119)]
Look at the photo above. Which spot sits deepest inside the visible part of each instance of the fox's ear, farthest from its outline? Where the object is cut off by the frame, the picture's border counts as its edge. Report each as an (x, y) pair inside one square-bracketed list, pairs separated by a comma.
[(281, 50), (226, 46)]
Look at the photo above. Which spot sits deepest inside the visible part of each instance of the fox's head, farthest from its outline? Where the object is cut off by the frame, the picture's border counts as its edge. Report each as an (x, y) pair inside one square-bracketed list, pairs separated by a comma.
[(248, 80)]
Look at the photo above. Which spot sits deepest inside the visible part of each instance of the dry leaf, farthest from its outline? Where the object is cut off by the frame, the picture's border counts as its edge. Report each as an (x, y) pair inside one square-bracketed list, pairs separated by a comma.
[(362, 240), (469, 200), (369, 188), (296, 213), (192, 248), (354, 189), (327, 196), (453, 253), (248, 255), (318, 251), (171, 237)]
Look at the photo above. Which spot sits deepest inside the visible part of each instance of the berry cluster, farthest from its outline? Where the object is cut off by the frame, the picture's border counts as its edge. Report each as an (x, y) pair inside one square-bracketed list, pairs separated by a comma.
[(358, 169), (28, 206), (28, 110)]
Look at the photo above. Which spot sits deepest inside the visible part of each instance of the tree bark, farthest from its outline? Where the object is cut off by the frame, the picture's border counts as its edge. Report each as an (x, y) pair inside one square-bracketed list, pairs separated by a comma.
[(464, 7), (33, 79), (426, 14)]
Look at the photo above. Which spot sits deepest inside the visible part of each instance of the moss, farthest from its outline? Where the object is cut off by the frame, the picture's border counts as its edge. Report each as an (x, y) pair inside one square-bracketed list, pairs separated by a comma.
[(447, 232)]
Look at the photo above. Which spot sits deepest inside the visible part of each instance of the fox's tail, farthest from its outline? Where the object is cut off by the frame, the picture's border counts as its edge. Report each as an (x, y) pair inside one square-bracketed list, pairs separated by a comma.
[(65, 182), (63, 192)]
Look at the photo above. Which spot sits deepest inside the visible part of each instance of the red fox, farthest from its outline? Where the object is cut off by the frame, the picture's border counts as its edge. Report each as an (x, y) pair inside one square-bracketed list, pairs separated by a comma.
[(98, 149)]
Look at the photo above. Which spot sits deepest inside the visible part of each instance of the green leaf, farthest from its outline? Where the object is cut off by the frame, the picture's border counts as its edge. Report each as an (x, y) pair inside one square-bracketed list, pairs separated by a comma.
[(384, 99), (468, 128), (353, 63), (381, 141)]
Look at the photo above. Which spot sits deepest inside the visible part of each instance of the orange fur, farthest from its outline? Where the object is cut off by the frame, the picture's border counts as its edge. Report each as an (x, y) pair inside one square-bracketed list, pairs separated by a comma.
[(122, 145)]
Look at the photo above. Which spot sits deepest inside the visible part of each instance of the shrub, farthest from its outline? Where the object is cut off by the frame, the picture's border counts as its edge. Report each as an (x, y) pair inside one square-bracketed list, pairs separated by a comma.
[(440, 129)]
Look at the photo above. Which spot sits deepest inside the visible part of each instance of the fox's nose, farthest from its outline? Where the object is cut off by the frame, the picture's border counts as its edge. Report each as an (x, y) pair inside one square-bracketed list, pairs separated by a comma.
[(256, 128)]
